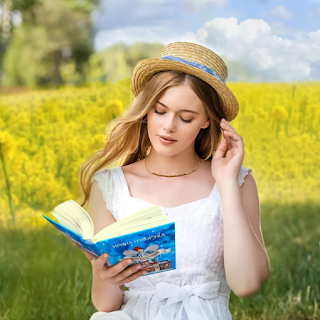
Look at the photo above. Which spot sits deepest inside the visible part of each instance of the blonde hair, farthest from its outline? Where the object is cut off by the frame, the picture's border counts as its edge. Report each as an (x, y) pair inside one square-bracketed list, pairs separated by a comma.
[(129, 139)]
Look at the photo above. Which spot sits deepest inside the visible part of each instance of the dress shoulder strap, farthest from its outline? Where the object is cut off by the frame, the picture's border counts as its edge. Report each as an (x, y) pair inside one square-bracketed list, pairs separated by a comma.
[(105, 178), (242, 174)]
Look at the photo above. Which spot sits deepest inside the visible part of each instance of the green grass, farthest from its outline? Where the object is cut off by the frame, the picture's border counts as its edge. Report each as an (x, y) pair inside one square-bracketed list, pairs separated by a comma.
[(44, 276), (292, 292)]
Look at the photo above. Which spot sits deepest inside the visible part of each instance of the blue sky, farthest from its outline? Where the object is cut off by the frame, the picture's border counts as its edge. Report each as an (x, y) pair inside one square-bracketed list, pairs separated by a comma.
[(267, 40)]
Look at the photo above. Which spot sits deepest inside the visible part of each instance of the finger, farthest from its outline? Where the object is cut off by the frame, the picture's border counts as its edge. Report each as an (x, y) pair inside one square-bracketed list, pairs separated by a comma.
[(235, 140), (223, 120), (222, 148), (229, 143), (226, 126), (132, 277), (232, 135), (100, 262), (122, 265), (226, 147), (121, 270), (131, 271)]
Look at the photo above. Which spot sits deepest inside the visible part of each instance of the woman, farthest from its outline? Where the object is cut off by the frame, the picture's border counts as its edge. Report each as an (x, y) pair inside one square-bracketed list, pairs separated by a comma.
[(195, 178)]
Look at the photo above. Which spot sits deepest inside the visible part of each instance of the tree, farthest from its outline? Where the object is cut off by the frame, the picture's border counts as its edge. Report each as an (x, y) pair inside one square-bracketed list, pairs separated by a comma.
[(52, 33)]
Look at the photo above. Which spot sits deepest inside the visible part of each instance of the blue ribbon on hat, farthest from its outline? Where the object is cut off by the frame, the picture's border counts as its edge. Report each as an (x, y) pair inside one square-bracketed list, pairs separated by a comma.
[(194, 64)]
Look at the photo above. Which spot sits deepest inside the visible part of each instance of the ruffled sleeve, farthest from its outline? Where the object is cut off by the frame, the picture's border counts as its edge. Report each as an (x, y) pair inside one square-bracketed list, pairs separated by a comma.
[(242, 174), (106, 186)]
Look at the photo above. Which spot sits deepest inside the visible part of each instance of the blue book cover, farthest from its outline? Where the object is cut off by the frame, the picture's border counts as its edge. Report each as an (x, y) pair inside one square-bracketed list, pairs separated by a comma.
[(154, 248)]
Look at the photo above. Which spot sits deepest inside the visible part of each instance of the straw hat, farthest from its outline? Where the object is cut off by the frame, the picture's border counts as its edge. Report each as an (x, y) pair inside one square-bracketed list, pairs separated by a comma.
[(193, 59)]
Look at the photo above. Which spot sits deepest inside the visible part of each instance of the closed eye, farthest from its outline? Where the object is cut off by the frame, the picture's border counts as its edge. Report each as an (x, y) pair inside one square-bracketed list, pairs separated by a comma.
[(161, 113)]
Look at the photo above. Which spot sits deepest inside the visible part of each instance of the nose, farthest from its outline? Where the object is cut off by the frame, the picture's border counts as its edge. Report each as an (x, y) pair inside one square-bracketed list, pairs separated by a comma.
[(169, 124)]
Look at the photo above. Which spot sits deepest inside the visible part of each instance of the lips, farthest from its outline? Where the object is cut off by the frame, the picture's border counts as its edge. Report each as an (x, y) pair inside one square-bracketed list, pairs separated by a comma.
[(168, 138)]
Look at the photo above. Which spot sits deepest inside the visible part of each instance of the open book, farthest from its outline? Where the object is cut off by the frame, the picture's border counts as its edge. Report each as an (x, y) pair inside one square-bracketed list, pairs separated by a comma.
[(146, 236)]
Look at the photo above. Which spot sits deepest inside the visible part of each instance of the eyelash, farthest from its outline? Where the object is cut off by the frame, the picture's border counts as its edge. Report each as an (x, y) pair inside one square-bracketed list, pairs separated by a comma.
[(161, 113)]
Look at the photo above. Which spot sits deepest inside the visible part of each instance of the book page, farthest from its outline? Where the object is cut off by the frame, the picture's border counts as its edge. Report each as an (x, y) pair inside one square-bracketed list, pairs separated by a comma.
[(66, 223), (106, 234), (135, 223), (76, 215), (151, 212)]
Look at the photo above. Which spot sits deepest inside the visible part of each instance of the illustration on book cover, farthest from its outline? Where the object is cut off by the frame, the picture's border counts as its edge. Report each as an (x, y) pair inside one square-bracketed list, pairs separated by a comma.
[(149, 257), (153, 248)]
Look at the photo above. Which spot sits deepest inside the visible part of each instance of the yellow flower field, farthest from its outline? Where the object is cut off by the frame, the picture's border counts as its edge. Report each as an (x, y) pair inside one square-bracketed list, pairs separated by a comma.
[(46, 135)]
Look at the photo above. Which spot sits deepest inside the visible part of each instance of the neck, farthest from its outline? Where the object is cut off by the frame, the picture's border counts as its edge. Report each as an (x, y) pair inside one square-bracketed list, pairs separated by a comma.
[(171, 165)]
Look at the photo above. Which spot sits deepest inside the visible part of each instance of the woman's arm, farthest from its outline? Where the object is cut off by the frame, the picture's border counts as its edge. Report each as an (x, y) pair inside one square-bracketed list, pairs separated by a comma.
[(105, 297), (108, 282), (245, 258)]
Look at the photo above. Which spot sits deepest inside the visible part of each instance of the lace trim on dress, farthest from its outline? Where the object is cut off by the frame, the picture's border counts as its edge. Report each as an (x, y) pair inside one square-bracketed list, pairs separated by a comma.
[(242, 174)]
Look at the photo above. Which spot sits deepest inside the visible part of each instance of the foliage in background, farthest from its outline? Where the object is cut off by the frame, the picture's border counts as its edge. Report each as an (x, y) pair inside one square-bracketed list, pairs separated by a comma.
[(51, 43), (117, 62), (47, 135), (59, 33)]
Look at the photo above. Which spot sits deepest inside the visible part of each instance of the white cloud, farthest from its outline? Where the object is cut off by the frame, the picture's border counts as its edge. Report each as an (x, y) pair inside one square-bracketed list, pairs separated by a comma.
[(278, 29), (282, 12), (130, 35), (262, 51), (255, 44)]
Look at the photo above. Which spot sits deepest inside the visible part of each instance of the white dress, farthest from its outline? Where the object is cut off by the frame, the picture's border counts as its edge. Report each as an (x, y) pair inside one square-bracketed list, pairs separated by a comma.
[(197, 288)]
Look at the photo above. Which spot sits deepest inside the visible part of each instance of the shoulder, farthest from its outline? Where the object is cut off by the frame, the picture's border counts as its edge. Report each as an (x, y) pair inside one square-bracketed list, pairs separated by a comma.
[(103, 174), (102, 184), (134, 169)]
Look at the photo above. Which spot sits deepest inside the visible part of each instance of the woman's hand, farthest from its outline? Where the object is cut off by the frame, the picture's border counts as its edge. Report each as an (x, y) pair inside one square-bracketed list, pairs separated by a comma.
[(118, 274), (228, 158)]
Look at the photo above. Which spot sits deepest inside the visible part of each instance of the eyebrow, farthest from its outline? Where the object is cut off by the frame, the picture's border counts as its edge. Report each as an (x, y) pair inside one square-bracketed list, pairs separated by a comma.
[(183, 110)]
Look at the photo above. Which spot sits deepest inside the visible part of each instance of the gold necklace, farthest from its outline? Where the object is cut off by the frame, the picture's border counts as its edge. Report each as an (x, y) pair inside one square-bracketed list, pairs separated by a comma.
[(178, 175)]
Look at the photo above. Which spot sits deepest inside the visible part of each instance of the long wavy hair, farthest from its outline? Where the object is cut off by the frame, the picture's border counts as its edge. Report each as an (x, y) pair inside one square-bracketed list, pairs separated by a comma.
[(129, 140)]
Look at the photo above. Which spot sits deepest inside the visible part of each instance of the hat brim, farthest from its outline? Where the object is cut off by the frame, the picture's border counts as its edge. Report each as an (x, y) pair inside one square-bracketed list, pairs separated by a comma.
[(145, 68)]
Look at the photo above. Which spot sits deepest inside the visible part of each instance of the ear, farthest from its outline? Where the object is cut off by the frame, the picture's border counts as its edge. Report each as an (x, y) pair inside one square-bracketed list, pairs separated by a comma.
[(206, 125)]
